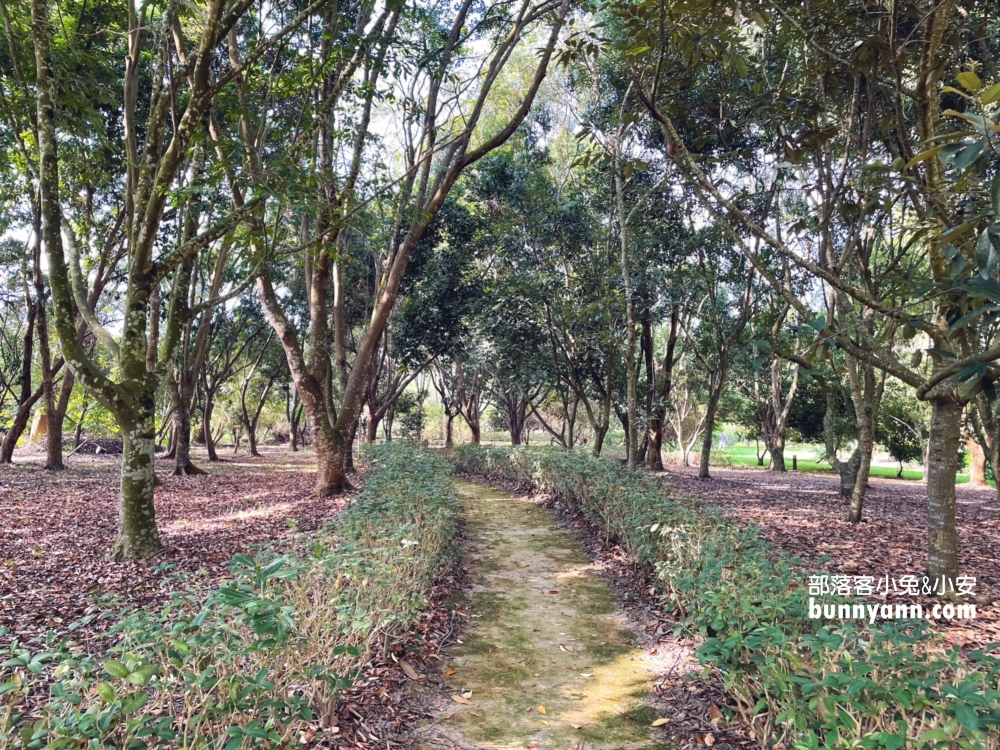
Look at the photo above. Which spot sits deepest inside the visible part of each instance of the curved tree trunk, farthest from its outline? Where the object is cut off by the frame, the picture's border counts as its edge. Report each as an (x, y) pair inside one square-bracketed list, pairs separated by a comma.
[(18, 427)]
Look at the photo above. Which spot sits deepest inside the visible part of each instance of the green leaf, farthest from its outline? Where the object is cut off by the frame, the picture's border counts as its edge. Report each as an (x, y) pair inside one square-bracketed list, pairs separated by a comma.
[(967, 391), (969, 81), (924, 156), (967, 716), (991, 94), (986, 255), (116, 669), (107, 692), (968, 155), (135, 702), (972, 315), (143, 674)]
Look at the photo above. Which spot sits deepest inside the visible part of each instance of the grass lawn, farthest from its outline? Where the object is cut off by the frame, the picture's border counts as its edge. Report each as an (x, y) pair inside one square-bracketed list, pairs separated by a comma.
[(739, 455), (743, 455)]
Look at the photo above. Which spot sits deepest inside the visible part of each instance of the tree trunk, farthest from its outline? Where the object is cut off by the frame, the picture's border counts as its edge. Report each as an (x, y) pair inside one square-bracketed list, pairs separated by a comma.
[(777, 450), (182, 441), (57, 418), (54, 441), (448, 428), (654, 451), (17, 428), (349, 452), (600, 432), (474, 428), (78, 432), (706, 445), (865, 445), (994, 464), (373, 423), (252, 438), (137, 534), (977, 463), (942, 535), (626, 443), (207, 426), (331, 476)]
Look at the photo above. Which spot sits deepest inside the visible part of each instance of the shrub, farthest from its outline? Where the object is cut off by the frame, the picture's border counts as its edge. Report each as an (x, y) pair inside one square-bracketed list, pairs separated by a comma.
[(796, 681), (273, 647)]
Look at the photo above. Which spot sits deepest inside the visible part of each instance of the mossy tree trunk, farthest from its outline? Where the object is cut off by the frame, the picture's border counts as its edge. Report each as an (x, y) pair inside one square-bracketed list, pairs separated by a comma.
[(141, 354)]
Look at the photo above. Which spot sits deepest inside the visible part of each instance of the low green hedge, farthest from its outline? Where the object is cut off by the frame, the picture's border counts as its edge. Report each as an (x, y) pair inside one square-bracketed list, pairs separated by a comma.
[(799, 683), (252, 662)]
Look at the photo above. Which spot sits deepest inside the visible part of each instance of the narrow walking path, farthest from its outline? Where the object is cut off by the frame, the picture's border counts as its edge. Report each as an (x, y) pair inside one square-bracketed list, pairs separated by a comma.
[(547, 660)]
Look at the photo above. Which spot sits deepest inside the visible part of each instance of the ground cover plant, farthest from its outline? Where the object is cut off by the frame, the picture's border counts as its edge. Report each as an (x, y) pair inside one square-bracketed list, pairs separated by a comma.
[(260, 659), (796, 681)]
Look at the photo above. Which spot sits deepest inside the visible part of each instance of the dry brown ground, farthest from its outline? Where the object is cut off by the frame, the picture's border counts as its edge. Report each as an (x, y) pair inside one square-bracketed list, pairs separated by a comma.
[(803, 514), (57, 527)]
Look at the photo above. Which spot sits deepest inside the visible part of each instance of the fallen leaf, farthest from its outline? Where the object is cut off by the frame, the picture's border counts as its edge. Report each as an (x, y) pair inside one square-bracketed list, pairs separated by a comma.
[(709, 739), (660, 722), (410, 671), (449, 673), (541, 709), (461, 699), (714, 714)]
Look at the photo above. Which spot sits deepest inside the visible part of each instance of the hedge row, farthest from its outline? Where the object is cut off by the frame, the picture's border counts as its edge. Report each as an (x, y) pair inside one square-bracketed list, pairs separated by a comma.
[(249, 664), (799, 683)]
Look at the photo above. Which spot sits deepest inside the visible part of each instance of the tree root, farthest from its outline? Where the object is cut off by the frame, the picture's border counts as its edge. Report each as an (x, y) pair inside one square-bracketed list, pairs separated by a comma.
[(142, 551), (188, 470)]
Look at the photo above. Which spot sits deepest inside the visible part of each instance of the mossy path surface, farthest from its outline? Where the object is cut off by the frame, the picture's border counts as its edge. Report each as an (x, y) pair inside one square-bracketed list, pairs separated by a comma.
[(547, 660)]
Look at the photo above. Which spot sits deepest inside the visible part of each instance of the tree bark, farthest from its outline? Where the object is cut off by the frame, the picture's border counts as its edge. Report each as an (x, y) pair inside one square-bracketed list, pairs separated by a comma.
[(777, 450), (711, 410), (183, 465), (17, 428), (977, 463), (373, 423), (654, 451), (866, 441), (942, 534), (207, 426), (138, 537)]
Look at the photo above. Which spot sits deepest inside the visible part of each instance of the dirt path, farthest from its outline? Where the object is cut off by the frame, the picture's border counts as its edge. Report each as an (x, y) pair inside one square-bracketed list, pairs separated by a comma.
[(548, 660)]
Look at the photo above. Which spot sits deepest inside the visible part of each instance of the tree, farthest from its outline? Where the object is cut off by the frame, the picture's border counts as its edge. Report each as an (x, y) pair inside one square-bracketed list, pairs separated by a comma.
[(182, 86), (430, 171), (927, 174)]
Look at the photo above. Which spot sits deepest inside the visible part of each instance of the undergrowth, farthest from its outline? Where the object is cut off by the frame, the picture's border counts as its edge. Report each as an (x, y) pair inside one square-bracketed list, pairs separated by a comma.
[(797, 682), (253, 662)]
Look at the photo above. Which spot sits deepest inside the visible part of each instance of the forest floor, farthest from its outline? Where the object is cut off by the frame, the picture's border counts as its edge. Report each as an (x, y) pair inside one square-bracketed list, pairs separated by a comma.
[(56, 529), (803, 515), (549, 659)]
